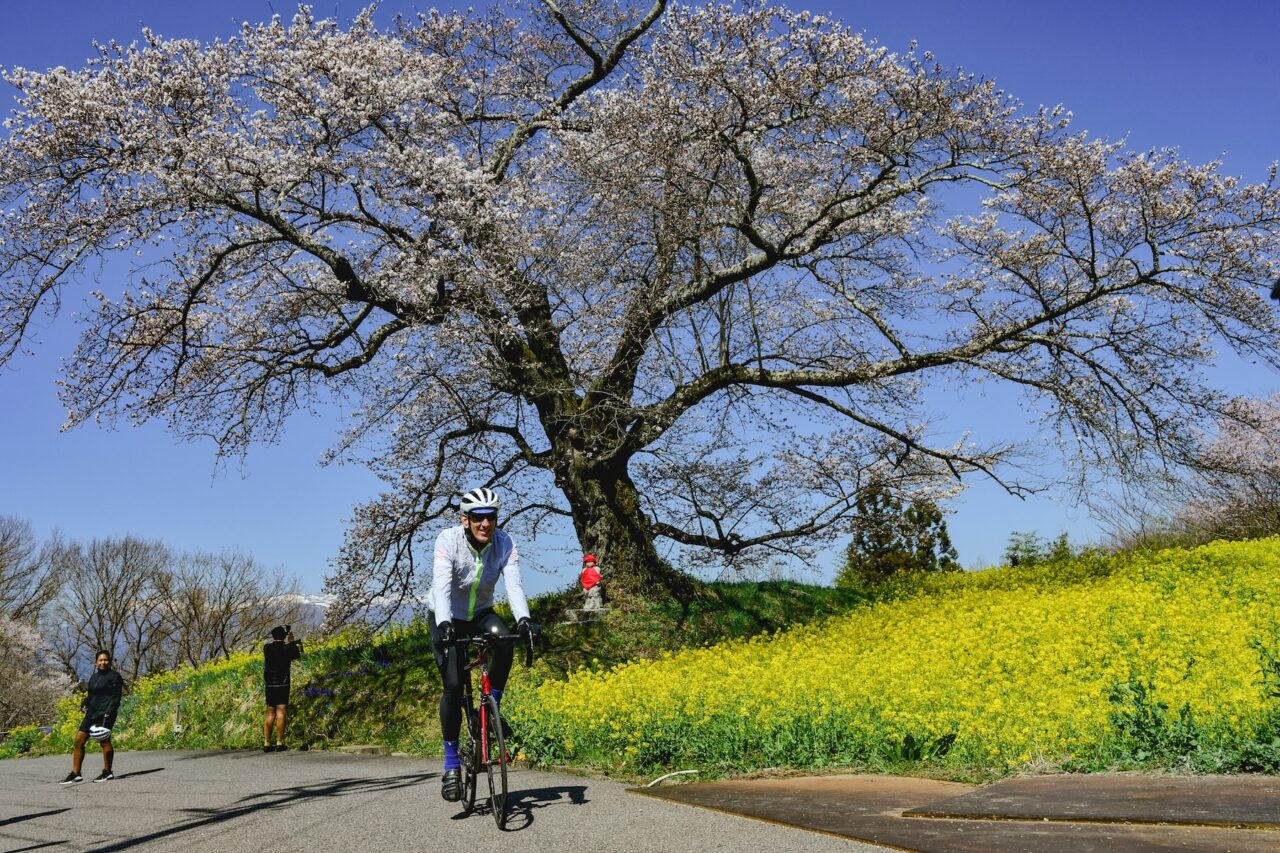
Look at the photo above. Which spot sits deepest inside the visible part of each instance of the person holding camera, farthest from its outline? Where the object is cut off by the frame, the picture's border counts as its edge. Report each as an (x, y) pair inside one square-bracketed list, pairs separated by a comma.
[(277, 659), (100, 706)]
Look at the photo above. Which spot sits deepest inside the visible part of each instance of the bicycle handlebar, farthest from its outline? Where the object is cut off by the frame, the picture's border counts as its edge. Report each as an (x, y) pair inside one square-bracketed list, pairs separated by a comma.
[(490, 639)]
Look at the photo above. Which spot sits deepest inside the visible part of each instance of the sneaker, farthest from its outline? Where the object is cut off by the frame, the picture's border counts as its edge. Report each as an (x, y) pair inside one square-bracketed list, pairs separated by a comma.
[(72, 778), (281, 748), (266, 747), (104, 776), (451, 785)]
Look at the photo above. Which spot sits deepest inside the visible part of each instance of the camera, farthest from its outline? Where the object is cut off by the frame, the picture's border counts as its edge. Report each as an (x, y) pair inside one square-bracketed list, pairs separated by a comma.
[(288, 629)]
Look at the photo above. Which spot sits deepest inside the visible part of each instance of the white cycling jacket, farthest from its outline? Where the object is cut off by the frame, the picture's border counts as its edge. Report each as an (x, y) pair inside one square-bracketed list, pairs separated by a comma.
[(463, 580)]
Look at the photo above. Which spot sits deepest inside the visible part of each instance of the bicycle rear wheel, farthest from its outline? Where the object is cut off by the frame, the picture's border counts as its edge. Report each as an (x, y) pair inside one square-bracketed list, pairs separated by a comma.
[(496, 762), (469, 754)]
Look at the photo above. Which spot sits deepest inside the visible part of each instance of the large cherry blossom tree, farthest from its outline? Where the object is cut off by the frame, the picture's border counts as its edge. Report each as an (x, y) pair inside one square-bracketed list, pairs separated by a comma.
[(679, 275)]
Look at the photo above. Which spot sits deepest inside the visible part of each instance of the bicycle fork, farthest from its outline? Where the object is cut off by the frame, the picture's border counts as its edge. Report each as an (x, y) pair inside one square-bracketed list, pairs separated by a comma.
[(484, 720)]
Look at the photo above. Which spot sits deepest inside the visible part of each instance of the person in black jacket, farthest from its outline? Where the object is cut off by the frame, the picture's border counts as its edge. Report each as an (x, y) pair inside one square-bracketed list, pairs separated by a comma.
[(277, 657), (100, 706)]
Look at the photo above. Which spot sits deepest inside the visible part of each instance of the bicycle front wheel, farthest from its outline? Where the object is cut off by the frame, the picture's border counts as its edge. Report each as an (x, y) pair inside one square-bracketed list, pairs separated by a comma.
[(469, 754), (496, 761)]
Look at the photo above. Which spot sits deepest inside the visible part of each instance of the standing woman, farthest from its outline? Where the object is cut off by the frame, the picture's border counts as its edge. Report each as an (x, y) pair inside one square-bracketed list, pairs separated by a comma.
[(100, 705)]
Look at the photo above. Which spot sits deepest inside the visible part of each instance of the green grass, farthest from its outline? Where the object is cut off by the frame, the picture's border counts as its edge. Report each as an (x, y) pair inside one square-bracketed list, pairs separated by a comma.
[(720, 612)]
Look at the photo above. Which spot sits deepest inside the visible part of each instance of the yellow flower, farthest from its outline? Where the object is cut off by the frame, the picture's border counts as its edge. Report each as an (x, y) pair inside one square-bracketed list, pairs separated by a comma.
[(1014, 663)]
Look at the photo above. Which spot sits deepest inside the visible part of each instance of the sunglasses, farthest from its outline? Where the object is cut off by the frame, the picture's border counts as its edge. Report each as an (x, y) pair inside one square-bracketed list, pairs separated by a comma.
[(477, 517)]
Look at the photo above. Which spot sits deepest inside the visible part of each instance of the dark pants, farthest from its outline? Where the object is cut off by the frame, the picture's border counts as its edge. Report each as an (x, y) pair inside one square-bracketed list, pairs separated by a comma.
[(105, 720), (452, 660)]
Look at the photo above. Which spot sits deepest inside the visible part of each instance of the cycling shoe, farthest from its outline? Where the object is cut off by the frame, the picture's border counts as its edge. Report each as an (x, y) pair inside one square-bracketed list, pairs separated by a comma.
[(451, 785)]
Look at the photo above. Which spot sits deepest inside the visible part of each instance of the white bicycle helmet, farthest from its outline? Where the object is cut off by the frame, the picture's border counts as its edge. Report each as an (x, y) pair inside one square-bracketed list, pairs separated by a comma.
[(481, 501), (99, 733)]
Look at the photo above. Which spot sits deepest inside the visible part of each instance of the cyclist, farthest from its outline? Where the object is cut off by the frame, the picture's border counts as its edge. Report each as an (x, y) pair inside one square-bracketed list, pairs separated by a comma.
[(469, 559)]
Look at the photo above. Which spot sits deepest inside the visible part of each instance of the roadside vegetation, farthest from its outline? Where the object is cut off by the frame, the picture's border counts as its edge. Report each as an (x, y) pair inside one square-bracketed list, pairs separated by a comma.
[(360, 686), (1164, 659)]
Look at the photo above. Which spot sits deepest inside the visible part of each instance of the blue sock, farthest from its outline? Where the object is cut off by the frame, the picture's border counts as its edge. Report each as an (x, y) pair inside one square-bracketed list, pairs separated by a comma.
[(451, 760), (496, 694)]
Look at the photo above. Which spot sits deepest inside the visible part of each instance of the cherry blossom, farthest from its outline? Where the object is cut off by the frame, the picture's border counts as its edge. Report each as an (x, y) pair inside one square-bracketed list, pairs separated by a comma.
[(670, 274)]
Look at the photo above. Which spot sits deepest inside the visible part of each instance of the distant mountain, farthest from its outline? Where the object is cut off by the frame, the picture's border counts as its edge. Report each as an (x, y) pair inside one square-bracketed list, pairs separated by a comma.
[(381, 610)]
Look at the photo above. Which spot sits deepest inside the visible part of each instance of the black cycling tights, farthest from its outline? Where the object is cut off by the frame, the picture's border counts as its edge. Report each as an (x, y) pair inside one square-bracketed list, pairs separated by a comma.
[(451, 661)]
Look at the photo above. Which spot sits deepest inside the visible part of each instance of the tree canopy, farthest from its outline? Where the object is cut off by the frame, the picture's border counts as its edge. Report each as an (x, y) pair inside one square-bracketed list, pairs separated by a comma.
[(1028, 548), (678, 275)]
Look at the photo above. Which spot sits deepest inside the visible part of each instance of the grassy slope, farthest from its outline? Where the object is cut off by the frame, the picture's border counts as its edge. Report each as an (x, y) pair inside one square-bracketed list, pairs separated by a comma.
[(384, 688), (1137, 661)]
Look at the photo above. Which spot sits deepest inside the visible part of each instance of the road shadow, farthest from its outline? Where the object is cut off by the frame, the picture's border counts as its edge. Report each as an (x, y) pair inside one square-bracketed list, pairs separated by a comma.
[(138, 773), (235, 754), (521, 804), (44, 846), (20, 818), (272, 800)]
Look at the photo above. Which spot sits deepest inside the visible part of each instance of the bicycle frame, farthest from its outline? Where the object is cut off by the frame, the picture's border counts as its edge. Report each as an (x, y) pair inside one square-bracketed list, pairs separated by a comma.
[(481, 662), (482, 644), (484, 725)]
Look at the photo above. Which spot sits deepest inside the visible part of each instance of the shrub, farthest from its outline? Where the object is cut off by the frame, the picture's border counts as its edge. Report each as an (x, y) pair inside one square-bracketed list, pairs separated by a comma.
[(20, 741)]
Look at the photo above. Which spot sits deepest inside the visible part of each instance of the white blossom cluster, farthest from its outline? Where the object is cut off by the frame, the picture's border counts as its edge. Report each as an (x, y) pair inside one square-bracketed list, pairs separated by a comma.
[(678, 273), (33, 682)]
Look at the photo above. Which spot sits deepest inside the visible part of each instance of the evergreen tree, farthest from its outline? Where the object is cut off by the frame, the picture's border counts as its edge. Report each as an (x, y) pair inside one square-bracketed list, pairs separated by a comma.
[(890, 538)]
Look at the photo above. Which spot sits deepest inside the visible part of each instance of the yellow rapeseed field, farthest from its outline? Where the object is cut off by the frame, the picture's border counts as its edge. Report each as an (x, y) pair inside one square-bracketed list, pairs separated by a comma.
[(1015, 665)]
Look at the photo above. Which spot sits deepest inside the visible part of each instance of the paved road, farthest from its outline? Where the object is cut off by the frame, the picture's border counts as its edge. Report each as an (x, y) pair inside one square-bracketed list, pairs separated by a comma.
[(239, 801)]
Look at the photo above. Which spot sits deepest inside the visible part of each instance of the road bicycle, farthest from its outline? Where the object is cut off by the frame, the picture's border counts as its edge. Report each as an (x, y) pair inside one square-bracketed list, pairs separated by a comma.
[(482, 745)]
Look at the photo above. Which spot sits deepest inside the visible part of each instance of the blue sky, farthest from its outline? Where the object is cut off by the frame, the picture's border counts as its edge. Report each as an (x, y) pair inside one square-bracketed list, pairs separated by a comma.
[(1199, 76)]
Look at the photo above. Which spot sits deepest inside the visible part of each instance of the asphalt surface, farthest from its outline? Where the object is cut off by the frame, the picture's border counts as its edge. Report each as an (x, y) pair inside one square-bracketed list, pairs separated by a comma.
[(1056, 813), (238, 801)]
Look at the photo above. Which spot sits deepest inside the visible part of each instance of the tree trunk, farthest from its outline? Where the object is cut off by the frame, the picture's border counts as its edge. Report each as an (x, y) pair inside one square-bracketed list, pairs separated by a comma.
[(610, 524)]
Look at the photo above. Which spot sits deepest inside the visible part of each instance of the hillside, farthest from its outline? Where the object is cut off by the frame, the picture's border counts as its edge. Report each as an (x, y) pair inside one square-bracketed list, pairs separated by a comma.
[(361, 687), (1164, 660), (1136, 661)]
